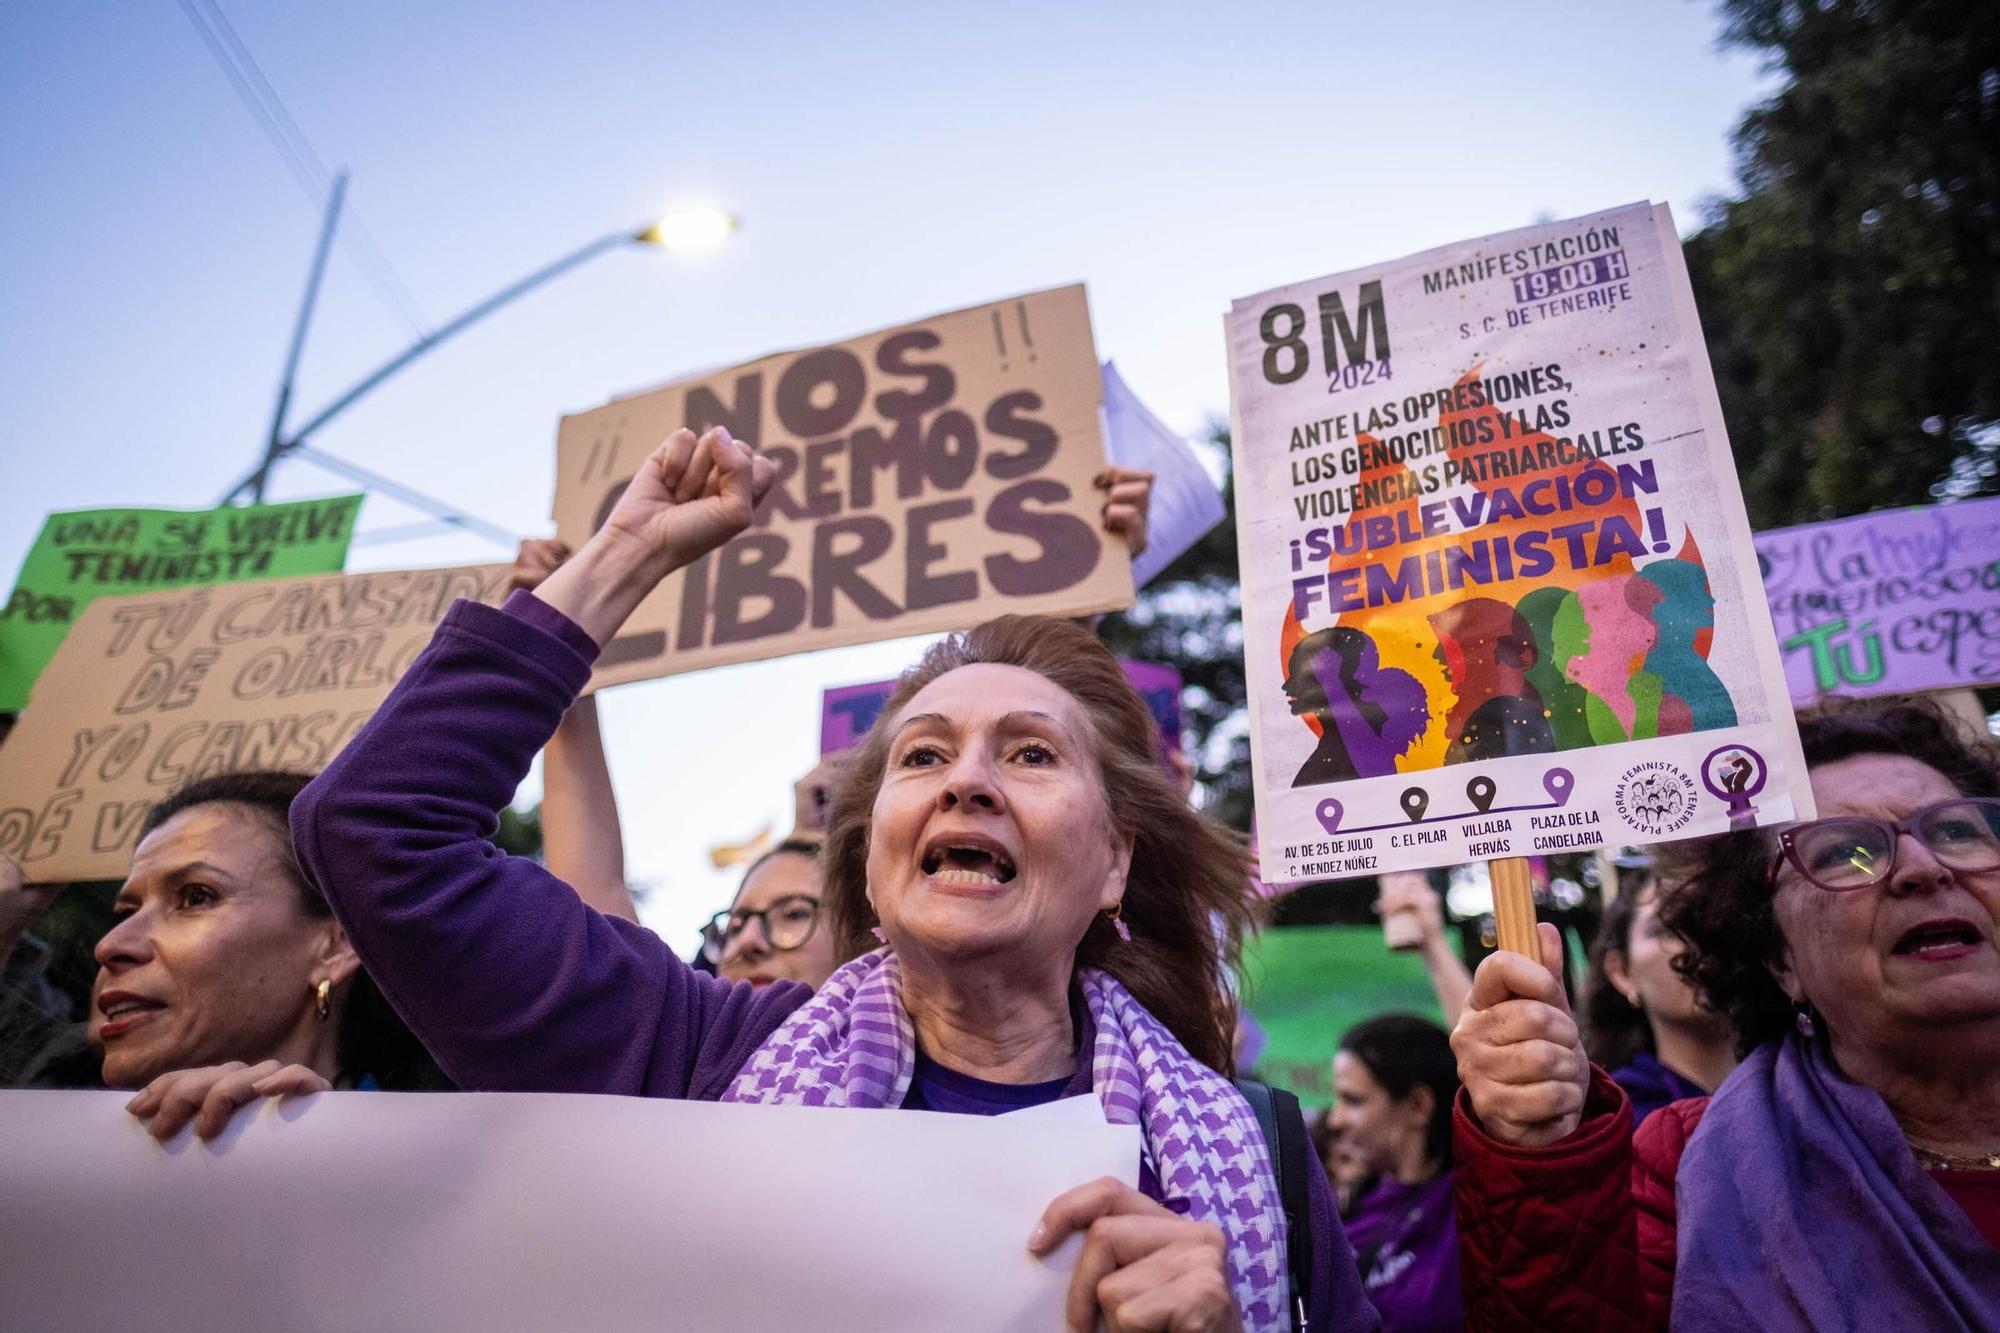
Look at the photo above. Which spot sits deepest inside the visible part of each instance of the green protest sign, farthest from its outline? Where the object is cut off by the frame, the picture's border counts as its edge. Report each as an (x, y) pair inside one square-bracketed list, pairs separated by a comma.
[(1306, 985), (85, 554)]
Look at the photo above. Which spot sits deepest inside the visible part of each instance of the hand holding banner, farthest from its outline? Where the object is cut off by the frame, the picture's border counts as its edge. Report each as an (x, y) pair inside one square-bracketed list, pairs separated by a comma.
[(479, 1211)]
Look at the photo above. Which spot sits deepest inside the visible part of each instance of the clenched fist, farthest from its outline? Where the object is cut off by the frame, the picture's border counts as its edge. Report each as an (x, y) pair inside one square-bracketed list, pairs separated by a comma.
[(688, 498)]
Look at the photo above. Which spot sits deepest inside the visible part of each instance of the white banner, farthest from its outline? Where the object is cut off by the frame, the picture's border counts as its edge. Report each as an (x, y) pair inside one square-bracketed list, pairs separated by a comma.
[(484, 1211), (1499, 597)]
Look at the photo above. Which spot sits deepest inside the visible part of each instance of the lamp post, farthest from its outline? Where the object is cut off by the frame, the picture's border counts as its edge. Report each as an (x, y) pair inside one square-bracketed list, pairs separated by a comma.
[(685, 230)]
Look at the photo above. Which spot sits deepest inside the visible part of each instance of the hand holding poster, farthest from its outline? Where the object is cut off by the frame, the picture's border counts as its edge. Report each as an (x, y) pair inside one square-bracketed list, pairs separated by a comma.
[(929, 477), (1887, 603), (153, 691), (1499, 594), (91, 553)]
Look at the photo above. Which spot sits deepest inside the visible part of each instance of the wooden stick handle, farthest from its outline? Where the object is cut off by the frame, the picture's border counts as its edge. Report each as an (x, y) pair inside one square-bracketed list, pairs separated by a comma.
[(1514, 906)]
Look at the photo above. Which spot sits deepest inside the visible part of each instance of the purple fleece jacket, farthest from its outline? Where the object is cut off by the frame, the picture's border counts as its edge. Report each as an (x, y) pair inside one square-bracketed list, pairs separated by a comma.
[(499, 968)]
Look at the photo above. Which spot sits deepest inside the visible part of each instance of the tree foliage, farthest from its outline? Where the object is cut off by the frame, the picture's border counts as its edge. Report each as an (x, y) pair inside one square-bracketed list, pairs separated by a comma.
[(520, 831), (1851, 292)]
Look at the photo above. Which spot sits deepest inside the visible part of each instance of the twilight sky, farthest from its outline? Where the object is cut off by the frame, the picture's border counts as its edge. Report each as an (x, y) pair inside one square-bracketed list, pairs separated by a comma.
[(889, 160)]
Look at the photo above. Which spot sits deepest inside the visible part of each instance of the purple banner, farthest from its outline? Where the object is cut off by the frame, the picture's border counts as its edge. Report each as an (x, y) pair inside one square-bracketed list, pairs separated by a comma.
[(1907, 599), (847, 711)]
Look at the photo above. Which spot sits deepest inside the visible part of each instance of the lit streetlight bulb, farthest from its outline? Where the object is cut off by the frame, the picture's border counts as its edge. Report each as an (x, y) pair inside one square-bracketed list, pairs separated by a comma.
[(691, 230)]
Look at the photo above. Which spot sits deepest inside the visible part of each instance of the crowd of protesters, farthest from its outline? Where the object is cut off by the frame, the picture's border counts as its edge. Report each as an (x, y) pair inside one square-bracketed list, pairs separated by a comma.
[(1777, 1104)]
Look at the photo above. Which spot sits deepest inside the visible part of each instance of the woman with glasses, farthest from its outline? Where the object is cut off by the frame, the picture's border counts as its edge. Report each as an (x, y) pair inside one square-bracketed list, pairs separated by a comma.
[(772, 932), (1847, 1174), (1028, 909)]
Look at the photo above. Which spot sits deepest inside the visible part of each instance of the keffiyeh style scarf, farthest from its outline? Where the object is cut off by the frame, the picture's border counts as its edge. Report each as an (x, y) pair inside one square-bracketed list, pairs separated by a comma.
[(852, 1044)]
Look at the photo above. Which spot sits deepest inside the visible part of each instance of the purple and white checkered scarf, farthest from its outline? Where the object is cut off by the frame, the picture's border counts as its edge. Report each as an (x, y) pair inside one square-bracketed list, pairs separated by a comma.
[(852, 1044)]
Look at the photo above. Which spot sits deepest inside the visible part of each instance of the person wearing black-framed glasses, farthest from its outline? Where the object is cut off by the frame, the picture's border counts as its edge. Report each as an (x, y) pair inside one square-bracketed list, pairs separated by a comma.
[(772, 932)]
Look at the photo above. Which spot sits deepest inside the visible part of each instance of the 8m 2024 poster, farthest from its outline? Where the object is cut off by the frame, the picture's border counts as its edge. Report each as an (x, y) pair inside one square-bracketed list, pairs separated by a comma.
[(1499, 597)]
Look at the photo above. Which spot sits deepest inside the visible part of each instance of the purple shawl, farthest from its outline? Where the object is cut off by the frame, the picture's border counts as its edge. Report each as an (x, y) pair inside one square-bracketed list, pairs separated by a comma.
[(1802, 1207), (852, 1044)]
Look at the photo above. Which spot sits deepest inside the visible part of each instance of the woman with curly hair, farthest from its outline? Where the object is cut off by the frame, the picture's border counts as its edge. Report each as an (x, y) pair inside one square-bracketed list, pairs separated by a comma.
[(1847, 1175)]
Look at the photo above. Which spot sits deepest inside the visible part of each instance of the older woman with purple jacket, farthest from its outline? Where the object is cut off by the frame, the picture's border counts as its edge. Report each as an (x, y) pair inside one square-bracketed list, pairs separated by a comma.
[(1048, 910)]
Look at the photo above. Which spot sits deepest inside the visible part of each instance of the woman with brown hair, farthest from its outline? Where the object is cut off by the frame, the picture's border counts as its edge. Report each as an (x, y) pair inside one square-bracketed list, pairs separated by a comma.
[(1052, 919)]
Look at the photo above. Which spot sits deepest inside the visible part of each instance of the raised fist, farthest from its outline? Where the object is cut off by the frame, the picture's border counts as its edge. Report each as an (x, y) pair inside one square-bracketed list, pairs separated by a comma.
[(689, 497)]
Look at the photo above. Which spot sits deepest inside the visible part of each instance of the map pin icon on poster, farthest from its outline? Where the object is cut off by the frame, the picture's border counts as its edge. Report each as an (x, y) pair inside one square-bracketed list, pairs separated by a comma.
[(1481, 791), (1558, 782), (1415, 801), (1328, 812)]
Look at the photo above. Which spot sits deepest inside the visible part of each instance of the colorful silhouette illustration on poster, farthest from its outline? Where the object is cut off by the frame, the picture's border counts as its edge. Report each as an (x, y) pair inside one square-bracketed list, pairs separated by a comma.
[(1693, 697), (1487, 650), (1601, 641), (1562, 698), (1368, 714)]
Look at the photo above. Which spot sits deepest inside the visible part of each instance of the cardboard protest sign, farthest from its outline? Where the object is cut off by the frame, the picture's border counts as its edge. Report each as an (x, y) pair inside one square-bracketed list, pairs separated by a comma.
[(1499, 596), (153, 691), (89, 553), (385, 1210), (928, 477), (846, 712), (1887, 603)]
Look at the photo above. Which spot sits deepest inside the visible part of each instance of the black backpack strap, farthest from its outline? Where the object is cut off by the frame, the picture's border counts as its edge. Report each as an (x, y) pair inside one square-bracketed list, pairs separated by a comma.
[(1284, 1126)]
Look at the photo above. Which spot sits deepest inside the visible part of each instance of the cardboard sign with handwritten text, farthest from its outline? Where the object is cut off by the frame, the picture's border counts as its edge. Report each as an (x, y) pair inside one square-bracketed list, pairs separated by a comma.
[(929, 477), (152, 691), (85, 554)]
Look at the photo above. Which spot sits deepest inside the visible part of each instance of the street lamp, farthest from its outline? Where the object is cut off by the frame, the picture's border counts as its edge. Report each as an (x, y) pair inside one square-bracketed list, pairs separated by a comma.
[(695, 229), (688, 230)]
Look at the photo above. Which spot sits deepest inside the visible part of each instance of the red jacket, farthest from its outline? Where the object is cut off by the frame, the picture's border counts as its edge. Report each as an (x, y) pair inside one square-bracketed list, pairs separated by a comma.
[(1577, 1235)]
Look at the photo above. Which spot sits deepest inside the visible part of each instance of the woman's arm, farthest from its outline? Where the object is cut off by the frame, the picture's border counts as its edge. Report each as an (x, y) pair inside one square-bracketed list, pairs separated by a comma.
[(1548, 1237), (497, 966), (582, 842), (1410, 891), (1542, 1150)]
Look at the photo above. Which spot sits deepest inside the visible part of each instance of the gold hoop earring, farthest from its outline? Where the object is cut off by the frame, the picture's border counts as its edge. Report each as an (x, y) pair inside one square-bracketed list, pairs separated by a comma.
[(1115, 914), (320, 1000)]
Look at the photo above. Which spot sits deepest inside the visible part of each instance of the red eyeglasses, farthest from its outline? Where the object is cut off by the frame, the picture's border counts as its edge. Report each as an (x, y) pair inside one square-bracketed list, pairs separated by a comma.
[(1852, 852)]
